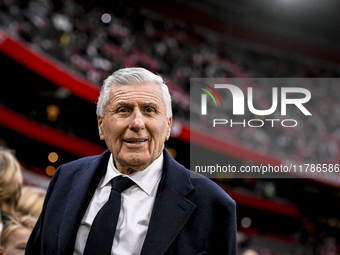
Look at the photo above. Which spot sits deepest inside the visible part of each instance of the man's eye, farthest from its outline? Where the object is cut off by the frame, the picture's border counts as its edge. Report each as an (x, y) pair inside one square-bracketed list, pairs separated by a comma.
[(150, 109), (122, 110)]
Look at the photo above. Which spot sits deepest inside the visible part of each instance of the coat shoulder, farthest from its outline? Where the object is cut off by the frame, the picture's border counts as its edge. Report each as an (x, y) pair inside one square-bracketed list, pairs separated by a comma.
[(203, 189), (81, 164)]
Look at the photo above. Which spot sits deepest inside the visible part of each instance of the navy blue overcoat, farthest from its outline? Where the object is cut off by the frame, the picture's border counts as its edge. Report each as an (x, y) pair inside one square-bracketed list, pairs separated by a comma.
[(190, 215)]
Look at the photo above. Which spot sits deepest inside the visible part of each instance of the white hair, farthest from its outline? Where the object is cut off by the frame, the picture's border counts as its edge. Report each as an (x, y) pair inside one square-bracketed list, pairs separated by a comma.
[(131, 76)]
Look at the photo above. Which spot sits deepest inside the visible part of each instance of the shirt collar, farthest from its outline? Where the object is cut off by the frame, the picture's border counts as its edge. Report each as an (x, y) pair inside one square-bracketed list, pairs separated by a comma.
[(146, 179)]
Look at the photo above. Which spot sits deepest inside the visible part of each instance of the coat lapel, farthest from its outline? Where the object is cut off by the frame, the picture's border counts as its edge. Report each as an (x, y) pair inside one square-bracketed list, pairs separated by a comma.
[(83, 188), (171, 209)]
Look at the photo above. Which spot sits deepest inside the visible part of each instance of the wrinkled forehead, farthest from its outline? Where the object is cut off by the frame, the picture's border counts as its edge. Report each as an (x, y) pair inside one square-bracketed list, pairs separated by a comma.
[(143, 92)]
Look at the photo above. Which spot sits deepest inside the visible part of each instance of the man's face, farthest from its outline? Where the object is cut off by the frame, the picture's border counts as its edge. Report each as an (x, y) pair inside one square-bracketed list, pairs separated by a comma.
[(135, 125)]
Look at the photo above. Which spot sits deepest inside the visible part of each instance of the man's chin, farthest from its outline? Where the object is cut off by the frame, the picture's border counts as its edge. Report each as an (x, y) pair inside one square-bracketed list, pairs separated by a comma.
[(135, 161)]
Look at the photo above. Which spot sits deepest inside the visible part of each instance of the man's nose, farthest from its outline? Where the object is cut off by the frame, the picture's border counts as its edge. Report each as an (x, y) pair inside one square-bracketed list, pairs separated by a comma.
[(137, 121)]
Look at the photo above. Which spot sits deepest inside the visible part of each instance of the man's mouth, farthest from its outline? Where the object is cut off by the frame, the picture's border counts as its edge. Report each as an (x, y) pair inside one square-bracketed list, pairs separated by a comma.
[(134, 140)]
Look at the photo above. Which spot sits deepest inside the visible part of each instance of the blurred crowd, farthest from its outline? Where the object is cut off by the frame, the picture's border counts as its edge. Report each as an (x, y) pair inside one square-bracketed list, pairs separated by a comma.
[(94, 43), (20, 206)]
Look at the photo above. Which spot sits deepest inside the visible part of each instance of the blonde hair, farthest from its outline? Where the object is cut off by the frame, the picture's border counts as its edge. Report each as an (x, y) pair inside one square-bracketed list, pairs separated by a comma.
[(12, 225), (31, 201), (10, 180)]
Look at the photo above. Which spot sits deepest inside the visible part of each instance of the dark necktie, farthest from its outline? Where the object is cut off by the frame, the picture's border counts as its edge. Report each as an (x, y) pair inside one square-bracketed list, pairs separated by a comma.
[(100, 238)]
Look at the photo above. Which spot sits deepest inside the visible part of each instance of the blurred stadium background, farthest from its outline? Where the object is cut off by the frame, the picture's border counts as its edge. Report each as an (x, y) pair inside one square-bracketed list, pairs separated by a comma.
[(55, 54)]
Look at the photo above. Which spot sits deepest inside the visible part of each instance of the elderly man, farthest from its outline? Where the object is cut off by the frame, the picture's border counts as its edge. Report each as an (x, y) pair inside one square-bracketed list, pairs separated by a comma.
[(134, 198)]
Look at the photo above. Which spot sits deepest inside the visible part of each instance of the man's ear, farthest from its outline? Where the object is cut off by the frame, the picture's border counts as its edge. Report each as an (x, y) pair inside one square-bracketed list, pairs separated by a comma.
[(169, 129), (100, 127)]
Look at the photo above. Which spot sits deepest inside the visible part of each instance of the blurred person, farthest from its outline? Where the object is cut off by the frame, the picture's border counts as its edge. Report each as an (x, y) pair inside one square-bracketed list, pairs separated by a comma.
[(31, 201), (10, 184), (163, 208), (15, 235), (250, 252)]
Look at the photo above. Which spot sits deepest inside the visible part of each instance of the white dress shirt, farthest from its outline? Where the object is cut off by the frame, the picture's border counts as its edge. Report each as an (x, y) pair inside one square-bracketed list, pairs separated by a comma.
[(136, 207)]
